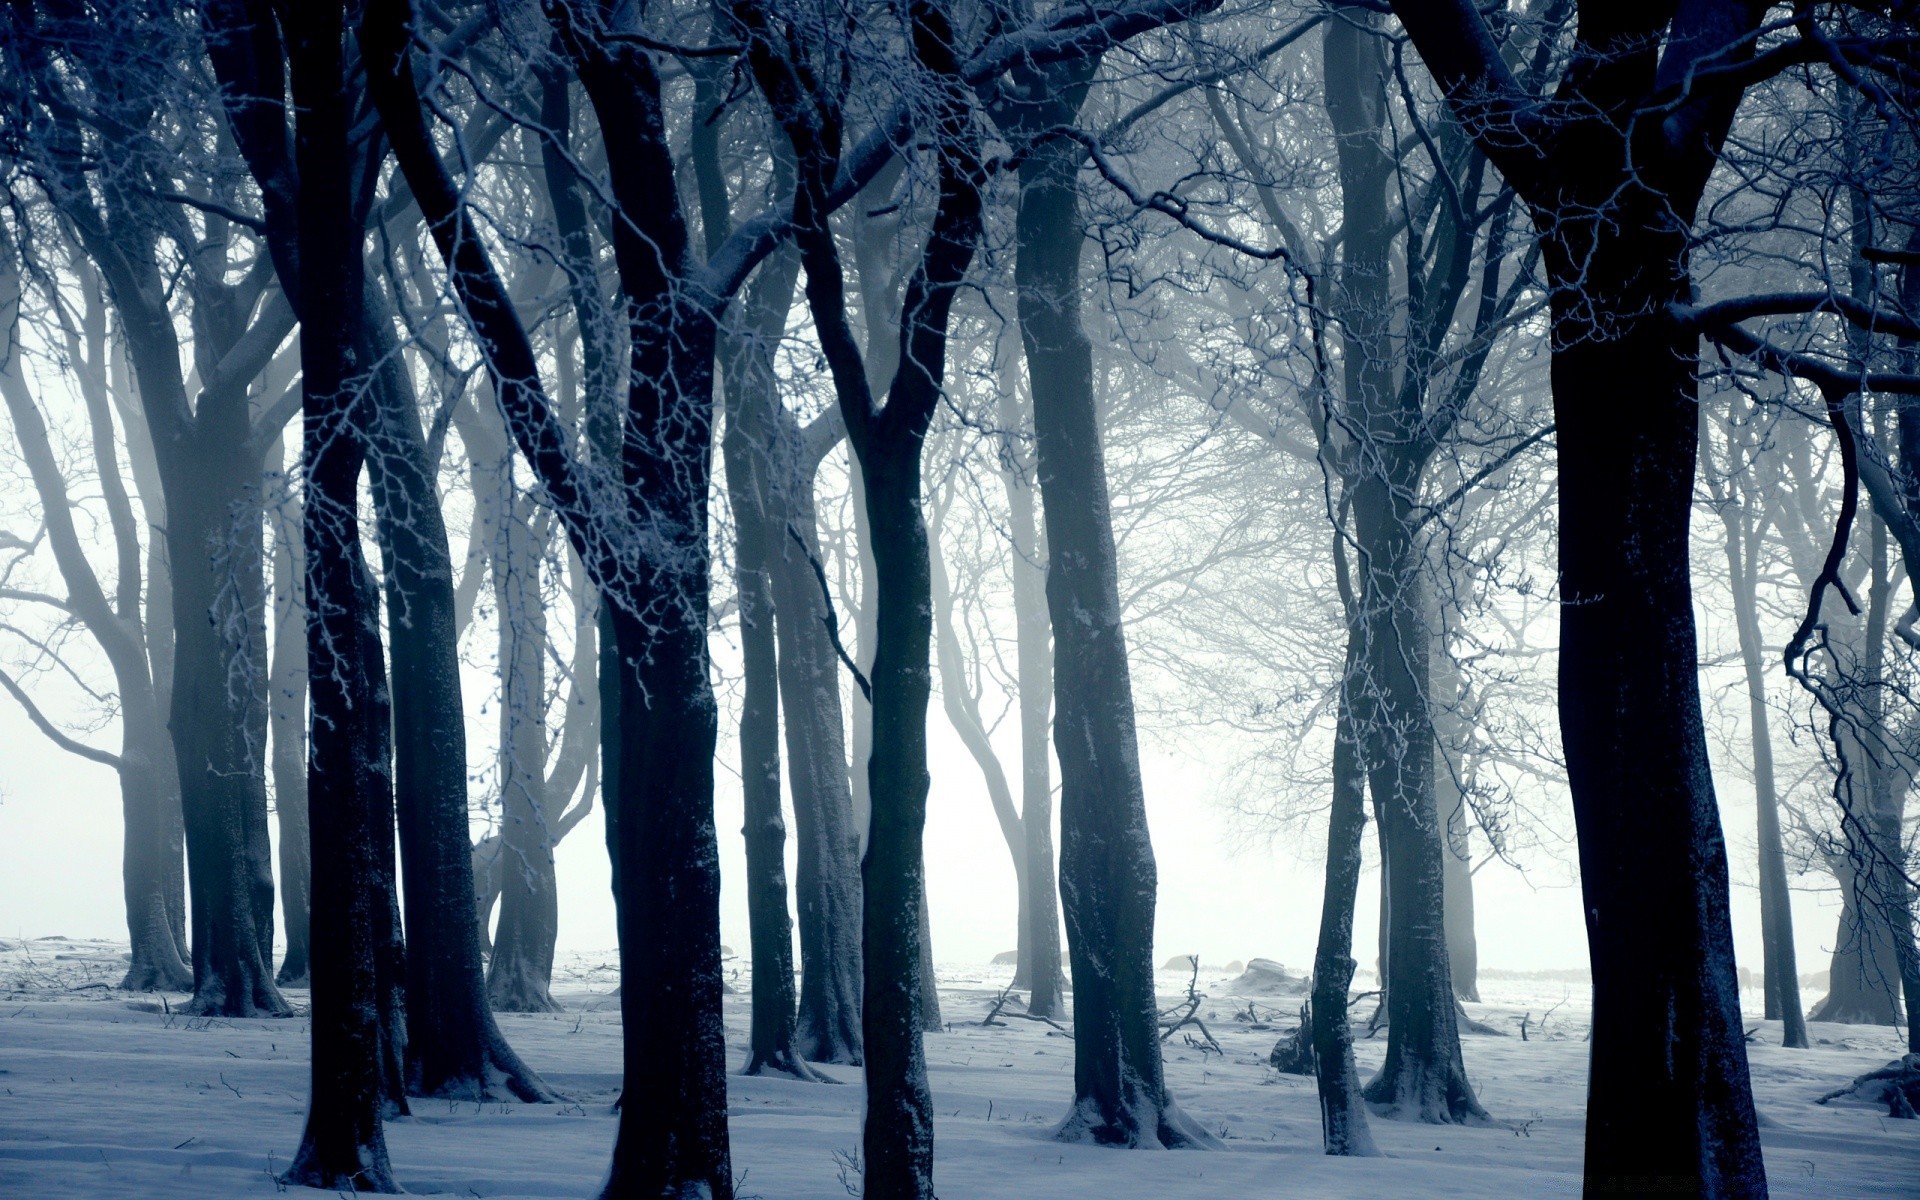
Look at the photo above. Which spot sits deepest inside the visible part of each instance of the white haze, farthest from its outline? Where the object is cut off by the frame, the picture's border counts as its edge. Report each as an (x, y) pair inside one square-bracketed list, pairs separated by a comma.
[(1224, 893)]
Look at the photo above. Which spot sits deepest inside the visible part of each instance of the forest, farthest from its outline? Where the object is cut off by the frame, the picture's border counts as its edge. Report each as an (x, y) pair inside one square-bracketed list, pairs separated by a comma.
[(435, 426)]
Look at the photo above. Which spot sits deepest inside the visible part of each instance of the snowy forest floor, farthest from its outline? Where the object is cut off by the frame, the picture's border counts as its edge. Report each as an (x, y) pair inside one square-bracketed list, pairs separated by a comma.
[(106, 1094)]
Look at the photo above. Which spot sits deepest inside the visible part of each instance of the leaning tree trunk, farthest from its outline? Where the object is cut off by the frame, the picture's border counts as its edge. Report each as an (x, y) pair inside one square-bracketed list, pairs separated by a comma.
[(1343, 1117), (344, 1144), (1107, 872)]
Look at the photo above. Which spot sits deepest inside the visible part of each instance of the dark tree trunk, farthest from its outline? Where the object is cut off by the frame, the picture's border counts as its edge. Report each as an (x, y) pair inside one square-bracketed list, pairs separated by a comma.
[(344, 1145), (214, 525), (1669, 1104), (673, 1134), (898, 1141), (1423, 1075), (454, 1049), (287, 713), (930, 1020), (209, 475), (1343, 1117), (897, 1134), (1107, 872)]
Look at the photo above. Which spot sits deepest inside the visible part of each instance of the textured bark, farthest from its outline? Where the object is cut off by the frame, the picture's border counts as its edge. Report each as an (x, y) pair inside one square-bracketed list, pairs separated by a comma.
[(344, 1144), (673, 1135), (1343, 1117), (1107, 873), (1669, 1105)]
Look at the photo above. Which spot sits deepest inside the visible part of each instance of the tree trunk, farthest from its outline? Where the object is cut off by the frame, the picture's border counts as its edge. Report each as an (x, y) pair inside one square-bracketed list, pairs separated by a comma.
[(1669, 1104), (287, 712), (344, 1144), (1456, 828), (1779, 962), (753, 463), (1866, 971), (454, 1048), (673, 1133), (143, 765), (1423, 1075), (1343, 1117), (219, 712), (520, 972), (1040, 940), (898, 1139), (1107, 873), (827, 876)]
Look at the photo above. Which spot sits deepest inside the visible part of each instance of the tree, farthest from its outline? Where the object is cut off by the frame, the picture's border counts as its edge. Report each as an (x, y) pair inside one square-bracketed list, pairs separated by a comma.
[(897, 1139), (208, 451), (1614, 191), (144, 764), (343, 1145)]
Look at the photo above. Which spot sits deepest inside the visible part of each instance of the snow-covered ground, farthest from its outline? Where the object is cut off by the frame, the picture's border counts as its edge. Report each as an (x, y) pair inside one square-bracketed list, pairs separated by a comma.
[(105, 1094)]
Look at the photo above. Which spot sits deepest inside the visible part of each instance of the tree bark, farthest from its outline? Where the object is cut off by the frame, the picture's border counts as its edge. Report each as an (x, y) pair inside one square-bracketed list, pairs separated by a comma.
[(673, 1136), (454, 1048), (751, 395), (1107, 873), (1343, 1117), (344, 1144), (1669, 1106)]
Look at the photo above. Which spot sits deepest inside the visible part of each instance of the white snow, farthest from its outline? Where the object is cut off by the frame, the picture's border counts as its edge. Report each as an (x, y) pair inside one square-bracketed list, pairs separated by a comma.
[(104, 1094)]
